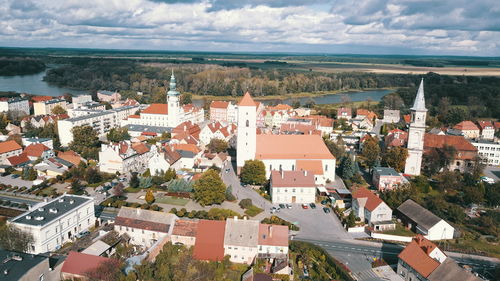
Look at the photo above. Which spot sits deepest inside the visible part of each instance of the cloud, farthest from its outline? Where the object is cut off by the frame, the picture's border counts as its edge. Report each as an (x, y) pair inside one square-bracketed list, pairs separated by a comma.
[(457, 27)]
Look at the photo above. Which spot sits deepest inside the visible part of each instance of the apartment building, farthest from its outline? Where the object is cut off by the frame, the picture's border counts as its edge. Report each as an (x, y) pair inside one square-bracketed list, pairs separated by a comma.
[(124, 157), (293, 187), (18, 105), (100, 121), (46, 107), (488, 151), (8, 149), (223, 111), (56, 222)]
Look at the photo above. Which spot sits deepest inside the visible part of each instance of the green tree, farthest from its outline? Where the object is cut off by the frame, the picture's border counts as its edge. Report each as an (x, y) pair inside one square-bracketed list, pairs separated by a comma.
[(253, 172), (118, 134), (186, 98), (395, 157), (229, 194), (150, 198), (58, 110), (347, 168), (371, 152), (169, 175), (85, 142), (351, 219), (245, 203), (209, 189), (217, 145), (134, 180), (336, 149), (76, 186), (14, 239), (92, 175)]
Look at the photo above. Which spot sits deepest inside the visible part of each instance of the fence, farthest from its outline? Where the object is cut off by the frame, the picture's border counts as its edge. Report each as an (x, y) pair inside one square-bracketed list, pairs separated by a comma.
[(391, 237)]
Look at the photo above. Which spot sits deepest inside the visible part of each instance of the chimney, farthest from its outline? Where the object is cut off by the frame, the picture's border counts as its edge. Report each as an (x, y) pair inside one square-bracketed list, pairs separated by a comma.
[(270, 231), (305, 173), (282, 174), (235, 218)]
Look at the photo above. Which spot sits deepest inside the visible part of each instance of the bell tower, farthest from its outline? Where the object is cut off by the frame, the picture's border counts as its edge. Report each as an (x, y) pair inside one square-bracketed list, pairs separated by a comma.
[(174, 111), (416, 133), (246, 142)]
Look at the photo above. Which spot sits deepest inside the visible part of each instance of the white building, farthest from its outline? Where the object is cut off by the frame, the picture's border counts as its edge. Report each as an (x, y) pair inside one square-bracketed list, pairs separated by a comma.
[(46, 107), (100, 121), (292, 187), (16, 105), (81, 99), (241, 240), (216, 130), (56, 222), (124, 157), (487, 130), (8, 149), (488, 151), (391, 116), (223, 111), (416, 133), (144, 227), (370, 208)]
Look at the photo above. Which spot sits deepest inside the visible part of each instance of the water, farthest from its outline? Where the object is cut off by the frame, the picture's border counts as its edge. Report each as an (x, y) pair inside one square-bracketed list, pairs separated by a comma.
[(34, 84)]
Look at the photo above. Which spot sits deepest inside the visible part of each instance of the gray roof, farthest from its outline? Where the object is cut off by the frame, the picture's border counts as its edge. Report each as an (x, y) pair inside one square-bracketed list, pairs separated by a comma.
[(385, 171), (241, 232), (144, 128), (18, 264), (88, 116), (97, 248), (106, 92), (44, 212), (186, 153), (419, 104), (449, 270), (54, 101), (420, 215)]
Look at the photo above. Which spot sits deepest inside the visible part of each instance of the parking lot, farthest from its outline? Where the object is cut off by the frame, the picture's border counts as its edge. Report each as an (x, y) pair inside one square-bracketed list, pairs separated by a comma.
[(9, 180)]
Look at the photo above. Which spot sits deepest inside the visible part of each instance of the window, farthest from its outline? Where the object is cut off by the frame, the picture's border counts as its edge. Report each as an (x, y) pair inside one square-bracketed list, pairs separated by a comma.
[(248, 123), (326, 168), (280, 167), (293, 167)]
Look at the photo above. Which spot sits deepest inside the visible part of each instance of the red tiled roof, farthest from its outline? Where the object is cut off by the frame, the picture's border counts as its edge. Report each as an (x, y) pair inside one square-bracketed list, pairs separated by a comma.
[(71, 157), (485, 125), (80, 263), (186, 147), (465, 150), (185, 228), (219, 104), (141, 224), (466, 125), (407, 118), (292, 179), (156, 108), (140, 147), (41, 98), (372, 200), (416, 255), (346, 110), (35, 150), (8, 146), (291, 147), (247, 100), (497, 125), (273, 235), (209, 243), (313, 166), (134, 116), (18, 159)]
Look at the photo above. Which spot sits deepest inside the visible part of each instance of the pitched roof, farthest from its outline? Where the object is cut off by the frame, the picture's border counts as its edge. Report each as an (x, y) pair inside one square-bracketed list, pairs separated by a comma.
[(291, 147), (449, 270), (273, 235), (485, 125), (209, 244), (144, 219), (292, 179), (280, 107), (18, 159), (185, 228), (140, 147), (313, 166), (241, 232), (416, 255), (70, 156), (419, 103), (458, 142), (423, 217), (156, 108), (466, 126), (247, 100), (187, 147), (8, 146), (80, 263), (36, 149), (219, 104), (372, 200), (344, 111)]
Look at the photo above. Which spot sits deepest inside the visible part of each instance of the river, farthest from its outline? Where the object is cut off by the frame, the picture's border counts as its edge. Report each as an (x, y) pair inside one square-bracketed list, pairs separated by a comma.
[(34, 84)]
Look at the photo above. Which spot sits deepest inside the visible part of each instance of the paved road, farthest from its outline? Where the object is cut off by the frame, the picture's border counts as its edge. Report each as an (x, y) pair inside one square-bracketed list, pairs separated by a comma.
[(8, 180), (20, 200)]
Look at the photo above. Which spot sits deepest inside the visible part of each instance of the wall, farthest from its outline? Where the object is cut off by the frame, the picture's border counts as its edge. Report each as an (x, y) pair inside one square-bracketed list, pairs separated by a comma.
[(391, 237), (285, 194)]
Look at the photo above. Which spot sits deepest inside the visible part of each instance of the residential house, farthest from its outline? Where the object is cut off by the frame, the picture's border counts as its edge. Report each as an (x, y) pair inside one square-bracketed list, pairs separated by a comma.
[(488, 151), (184, 232), (28, 267), (189, 154), (38, 150), (487, 130), (80, 266), (273, 241), (209, 241), (371, 209), (48, 142), (13, 129), (186, 128), (8, 149), (216, 131), (241, 240), (46, 107), (162, 159), (71, 156), (144, 227), (81, 99), (466, 153), (208, 160), (56, 222), (127, 102), (386, 178), (146, 131), (299, 129), (41, 121), (396, 137), (468, 129), (391, 116), (52, 167), (223, 111), (124, 157), (302, 111), (109, 96), (362, 124), (344, 112), (292, 187), (424, 222), (423, 260), (365, 113), (18, 161), (16, 106)]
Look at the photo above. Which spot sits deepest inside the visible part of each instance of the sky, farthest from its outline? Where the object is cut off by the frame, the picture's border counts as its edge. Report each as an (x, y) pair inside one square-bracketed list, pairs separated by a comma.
[(413, 27)]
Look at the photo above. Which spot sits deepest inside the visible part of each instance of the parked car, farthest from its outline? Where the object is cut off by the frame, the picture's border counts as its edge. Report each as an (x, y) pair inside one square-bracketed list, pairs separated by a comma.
[(15, 176), (82, 234), (289, 206), (227, 170), (484, 179), (282, 206), (313, 206), (326, 210), (324, 202), (305, 206), (274, 210)]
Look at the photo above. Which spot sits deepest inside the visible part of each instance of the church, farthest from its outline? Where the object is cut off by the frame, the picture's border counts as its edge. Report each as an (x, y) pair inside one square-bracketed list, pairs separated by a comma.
[(306, 153), (170, 114)]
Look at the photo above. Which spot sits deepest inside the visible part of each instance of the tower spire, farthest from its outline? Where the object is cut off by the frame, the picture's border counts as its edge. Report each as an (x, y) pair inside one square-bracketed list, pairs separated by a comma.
[(173, 86), (420, 99)]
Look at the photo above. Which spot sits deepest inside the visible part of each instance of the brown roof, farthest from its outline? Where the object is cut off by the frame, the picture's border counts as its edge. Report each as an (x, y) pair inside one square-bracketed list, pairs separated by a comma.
[(273, 235), (247, 100), (313, 166), (142, 224), (280, 107), (466, 126), (291, 147), (449, 270), (36, 149), (485, 125), (80, 263), (219, 104), (416, 255), (8, 146), (156, 108), (372, 200), (187, 147), (70, 156), (209, 243), (41, 98), (18, 159), (185, 228), (292, 179), (465, 150), (346, 110), (140, 147)]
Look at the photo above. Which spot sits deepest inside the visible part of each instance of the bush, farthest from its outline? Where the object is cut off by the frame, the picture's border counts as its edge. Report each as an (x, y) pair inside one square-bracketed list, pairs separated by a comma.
[(173, 211), (253, 211), (246, 203), (279, 221)]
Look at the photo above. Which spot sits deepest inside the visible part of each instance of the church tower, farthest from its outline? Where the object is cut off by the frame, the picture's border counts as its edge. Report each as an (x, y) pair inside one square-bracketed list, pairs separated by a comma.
[(246, 142), (416, 134), (174, 112)]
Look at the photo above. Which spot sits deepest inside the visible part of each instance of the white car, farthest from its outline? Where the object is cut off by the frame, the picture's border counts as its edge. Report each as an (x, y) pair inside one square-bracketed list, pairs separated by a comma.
[(488, 180)]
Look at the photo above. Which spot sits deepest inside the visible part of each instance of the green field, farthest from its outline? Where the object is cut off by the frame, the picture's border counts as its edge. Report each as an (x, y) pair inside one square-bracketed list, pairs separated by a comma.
[(172, 200)]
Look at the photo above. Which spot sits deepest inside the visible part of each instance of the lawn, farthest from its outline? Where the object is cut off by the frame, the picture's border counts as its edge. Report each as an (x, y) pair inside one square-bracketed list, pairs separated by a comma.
[(253, 211), (132, 190), (172, 200), (400, 230), (473, 246)]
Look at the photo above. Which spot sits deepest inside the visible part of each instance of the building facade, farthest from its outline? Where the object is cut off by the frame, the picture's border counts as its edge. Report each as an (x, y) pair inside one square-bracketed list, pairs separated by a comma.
[(124, 157), (18, 106), (416, 134), (488, 151), (46, 107), (292, 187)]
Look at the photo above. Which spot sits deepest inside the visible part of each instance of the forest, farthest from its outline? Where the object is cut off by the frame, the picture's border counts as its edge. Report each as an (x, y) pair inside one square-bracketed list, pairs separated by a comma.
[(20, 66)]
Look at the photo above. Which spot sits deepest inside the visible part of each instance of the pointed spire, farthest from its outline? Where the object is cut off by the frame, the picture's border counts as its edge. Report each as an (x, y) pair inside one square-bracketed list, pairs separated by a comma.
[(173, 85), (419, 104), (247, 100)]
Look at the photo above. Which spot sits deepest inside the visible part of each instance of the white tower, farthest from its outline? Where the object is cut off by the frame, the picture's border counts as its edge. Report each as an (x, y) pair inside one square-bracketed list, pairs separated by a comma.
[(247, 131), (174, 112), (416, 134)]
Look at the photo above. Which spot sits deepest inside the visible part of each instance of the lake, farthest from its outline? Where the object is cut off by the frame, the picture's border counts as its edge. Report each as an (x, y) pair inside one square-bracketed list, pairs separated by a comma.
[(34, 84)]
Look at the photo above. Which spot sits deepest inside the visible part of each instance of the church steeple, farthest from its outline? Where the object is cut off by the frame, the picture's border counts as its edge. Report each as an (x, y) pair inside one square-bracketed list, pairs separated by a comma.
[(419, 104), (173, 86)]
